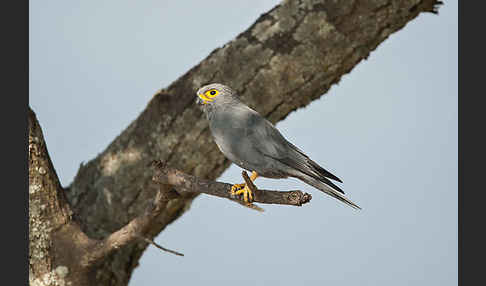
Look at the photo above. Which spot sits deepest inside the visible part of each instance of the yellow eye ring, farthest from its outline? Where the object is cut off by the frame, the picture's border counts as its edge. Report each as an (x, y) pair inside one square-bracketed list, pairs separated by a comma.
[(211, 93)]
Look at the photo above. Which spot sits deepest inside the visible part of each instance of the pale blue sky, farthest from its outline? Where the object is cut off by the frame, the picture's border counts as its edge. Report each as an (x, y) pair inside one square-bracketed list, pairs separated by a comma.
[(389, 130)]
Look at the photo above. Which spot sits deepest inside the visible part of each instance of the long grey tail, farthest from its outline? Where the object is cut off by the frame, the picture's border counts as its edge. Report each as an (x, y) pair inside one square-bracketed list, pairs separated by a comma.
[(327, 189)]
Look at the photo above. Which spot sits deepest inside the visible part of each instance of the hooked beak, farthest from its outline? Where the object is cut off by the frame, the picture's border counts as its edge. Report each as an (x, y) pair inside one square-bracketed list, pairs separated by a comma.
[(203, 99)]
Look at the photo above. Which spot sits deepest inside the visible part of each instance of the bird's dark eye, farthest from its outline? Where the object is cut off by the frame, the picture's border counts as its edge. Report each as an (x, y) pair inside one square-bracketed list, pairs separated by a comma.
[(211, 93)]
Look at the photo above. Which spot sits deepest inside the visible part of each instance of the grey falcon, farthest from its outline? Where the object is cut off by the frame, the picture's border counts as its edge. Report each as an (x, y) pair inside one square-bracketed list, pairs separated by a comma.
[(253, 143)]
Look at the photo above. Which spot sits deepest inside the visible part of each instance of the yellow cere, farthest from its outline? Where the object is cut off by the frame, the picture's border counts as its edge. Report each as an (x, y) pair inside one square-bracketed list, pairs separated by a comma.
[(206, 97)]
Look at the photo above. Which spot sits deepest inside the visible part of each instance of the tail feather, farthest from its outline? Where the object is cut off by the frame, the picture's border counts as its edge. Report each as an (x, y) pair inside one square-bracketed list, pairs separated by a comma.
[(323, 172), (328, 189), (309, 165)]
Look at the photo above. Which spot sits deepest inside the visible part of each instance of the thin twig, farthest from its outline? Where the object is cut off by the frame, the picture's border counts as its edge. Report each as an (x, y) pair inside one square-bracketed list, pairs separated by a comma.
[(160, 247)]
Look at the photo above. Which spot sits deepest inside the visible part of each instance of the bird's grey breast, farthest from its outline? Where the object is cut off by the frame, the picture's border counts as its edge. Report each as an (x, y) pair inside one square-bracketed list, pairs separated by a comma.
[(230, 128)]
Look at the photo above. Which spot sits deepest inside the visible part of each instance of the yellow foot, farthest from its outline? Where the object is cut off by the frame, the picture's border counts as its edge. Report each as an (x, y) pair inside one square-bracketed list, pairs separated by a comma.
[(238, 189)]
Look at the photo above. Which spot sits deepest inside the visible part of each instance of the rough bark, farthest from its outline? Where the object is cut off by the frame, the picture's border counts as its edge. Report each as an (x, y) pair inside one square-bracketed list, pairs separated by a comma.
[(49, 217), (289, 57)]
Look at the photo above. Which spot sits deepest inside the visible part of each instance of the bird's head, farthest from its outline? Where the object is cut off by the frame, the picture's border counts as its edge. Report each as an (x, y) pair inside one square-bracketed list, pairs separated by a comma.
[(214, 94)]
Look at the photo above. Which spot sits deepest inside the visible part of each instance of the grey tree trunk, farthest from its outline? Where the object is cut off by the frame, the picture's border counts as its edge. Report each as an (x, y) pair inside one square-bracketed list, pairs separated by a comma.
[(289, 57)]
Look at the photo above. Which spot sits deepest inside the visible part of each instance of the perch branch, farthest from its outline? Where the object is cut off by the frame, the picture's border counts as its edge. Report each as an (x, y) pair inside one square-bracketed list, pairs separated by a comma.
[(185, 183)]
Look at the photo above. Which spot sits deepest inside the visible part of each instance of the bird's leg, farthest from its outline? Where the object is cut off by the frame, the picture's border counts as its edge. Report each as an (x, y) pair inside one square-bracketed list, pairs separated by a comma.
[(238, 189)]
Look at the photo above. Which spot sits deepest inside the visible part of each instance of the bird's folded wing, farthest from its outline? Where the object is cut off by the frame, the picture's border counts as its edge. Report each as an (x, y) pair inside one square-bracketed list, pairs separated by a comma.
[(271, 143)]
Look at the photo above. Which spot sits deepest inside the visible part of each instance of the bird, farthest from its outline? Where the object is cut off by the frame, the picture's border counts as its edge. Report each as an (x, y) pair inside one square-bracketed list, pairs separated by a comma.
[(253, 143)]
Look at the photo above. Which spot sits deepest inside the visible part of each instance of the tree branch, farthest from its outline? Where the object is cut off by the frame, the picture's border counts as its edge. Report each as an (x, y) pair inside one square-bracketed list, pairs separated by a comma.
[(289, 57), (185, 183)]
